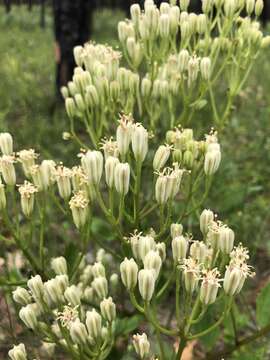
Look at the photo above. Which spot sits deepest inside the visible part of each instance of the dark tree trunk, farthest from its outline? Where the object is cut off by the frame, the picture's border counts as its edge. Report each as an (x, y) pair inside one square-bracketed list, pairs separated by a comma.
[(7, 4), (42, 14)]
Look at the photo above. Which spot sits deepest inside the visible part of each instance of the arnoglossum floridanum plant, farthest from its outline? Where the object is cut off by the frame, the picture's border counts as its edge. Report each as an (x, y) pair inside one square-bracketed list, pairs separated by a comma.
[(172, 64), (115, 183), (151, 173)]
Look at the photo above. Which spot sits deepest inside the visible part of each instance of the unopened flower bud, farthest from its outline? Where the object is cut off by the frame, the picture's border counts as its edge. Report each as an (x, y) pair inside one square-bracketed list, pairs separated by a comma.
[(191, 274), (129, 273), (59, 265), (123, 135), (92, 164), (207, 6), (250, 4), (146, 279), (8, 170), (78, 332), (93, 324), (193, 70), (211, 162), (70, 107), (146, 87), (98, 269), (73, 295), (100, 286), (179, 248), (230, 7), (161, 249), (21, 296), (176, 230), (161, 156), (164, 26), (114, 281), (28, 316), (91, 96), (206, 217), (36, 286), (265, 43), (259, 7), (110, 165), (6, 143), (205, 68), (198, 251), (209, 287), (145, 244), (135, 12), (188, 159), (18, 352), (139, 140), (122, 178), (108, 309), (162, 190), (3, 200), (153, 261), (77, 52), (226, 239), (53, 292), (63, 176), (184, 4), (233, 280), (141, 345)]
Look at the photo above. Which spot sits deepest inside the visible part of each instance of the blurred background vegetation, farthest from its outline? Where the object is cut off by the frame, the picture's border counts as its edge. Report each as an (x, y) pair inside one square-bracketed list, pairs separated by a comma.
[(241, 190)]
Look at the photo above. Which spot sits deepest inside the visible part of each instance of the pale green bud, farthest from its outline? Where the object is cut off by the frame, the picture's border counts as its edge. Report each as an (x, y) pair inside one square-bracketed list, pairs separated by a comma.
[(78, 52), (98, 269), (259, 7), (233, 280), (36, 286), (135, 12), (6, 143), (161, 156), (63, 175), (193, 70), (91, 96), (185, 30), (146, 87), (89, 294), (183, 60), (145, 244), (92, 164), (206, 218), (48, 349), (230, 7), (177, 156), (93, 324), (164, 26), (122, 31), (79, 102), (28, 316), (123, 78), (151, 21), (141, 345), (129, 273), (153, 261), (226, 240), (201, 24), (162, 189), (110, 165), (188, 159), (7, 169), (122, 178), (114, 90), (53, 292), (21, 296), (134, 82), (192, 20), (100, 286), (18, 352), (73, 89), (212, 161), (198, 251), (179, 248), (62, 282), (123, 136), (59, 265), (78, 332), (164, 8), (184, 4), (174, 15), (139, 141), (176, 230), (146, 280), (73, 295), (207, 6), (3, 200), (114, 280), (70, 107), (134, 51), (250, 4), (208, 292), (108, 309), (205, 66)]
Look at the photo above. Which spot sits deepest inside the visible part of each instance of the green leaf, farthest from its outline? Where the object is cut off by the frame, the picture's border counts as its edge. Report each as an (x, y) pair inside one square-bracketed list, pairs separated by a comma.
[(263, 306), (126, 325)]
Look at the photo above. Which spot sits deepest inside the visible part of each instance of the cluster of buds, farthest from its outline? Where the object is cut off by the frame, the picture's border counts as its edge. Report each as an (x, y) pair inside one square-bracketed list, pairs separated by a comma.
[(57, 304)]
